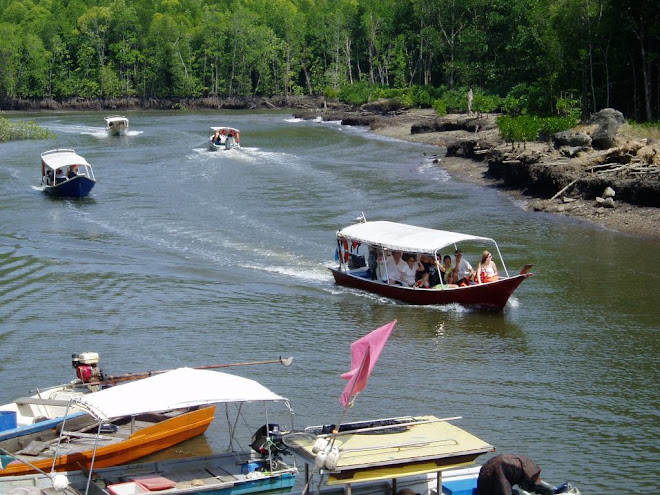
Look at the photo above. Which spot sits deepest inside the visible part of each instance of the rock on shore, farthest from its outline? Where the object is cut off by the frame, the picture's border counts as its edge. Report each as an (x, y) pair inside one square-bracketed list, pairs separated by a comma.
[(567, 175)]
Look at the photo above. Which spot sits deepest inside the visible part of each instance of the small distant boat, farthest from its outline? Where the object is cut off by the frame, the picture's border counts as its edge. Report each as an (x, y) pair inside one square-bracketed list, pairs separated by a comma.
[(224, 138), (382, 238), (116, 125), (65, 173)]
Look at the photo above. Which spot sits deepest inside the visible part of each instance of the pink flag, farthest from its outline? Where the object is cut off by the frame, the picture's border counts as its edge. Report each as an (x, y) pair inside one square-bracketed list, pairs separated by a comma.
[(364, 354)]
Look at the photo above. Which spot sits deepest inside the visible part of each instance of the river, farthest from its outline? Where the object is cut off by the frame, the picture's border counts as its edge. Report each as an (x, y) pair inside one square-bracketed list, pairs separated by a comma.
[(184, 257)]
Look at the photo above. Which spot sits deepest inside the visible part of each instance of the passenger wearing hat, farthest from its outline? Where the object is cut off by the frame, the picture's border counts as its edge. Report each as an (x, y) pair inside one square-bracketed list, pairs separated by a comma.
[(464, 271)]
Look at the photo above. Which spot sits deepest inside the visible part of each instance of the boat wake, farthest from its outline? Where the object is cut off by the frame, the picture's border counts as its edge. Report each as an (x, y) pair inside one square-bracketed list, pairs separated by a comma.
[(78, 129), (313, 274)]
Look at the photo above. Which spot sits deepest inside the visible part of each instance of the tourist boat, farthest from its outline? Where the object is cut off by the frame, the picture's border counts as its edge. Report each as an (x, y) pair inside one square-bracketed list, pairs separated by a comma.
[(406, 451), (234, 471), (381, 237), (116, 125), (65, 173), (224, 138), (145, 416)]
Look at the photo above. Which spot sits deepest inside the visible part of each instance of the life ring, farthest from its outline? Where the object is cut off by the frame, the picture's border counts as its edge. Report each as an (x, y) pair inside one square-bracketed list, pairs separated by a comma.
[(344, 244)]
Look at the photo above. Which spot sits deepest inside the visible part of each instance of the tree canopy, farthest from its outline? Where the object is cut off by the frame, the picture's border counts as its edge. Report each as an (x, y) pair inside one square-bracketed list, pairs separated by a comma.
[(601, 53)]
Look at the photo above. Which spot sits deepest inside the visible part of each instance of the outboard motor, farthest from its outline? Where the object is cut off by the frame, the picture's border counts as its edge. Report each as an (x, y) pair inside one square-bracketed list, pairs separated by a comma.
[(87, 366), (269, 434)]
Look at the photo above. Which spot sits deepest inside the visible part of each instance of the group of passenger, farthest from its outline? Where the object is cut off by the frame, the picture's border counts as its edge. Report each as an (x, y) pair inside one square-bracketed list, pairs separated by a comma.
[(221, 137), (425, 271), (61, 175)]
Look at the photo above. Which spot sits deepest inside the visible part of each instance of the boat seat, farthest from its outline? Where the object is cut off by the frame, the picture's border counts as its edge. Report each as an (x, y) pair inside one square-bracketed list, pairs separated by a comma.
[(199, 477), (34, 448), (41, 402)]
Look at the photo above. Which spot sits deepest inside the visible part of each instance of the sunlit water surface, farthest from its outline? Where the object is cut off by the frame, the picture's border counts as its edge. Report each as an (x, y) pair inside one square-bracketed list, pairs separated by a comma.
[(184, 257)]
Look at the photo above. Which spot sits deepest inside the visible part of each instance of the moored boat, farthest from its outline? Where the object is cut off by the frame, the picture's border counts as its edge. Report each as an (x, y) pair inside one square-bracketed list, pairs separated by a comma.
[(405, 451), (238, 471), (65, 173), (363, 248), (224, 138), (116, 125), (46, 409), (146, 417)]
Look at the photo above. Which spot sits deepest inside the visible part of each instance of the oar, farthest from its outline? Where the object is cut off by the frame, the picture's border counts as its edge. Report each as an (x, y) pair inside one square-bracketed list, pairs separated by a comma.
[(144, 374)]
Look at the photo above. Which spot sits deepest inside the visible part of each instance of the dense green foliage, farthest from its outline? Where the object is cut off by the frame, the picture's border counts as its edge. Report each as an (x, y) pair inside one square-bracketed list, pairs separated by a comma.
[(10, 131), (525, 128), (524, 55)]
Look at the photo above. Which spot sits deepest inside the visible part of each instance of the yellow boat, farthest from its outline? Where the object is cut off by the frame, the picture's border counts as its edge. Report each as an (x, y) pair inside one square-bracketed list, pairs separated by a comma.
[(387, 449)]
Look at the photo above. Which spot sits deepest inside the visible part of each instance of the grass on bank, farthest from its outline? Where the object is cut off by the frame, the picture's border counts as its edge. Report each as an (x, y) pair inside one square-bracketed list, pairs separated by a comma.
[(13, 131), (645, 130)]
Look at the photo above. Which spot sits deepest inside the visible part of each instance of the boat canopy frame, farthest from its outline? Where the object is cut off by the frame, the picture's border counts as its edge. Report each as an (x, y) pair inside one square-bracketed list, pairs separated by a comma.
[(176, 389), (393, 236), (64, 157)]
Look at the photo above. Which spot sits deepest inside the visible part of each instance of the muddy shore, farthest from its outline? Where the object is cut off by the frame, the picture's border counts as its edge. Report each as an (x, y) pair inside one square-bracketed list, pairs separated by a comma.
[(541, 177)]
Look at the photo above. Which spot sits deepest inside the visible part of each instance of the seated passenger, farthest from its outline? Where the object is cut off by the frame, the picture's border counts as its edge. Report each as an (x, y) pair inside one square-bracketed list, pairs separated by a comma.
[(60, 176), (446, 270), (393, 267), (428, 271), (409, 270), (73, 171), (464, 271), (486, 270), (372, 262)]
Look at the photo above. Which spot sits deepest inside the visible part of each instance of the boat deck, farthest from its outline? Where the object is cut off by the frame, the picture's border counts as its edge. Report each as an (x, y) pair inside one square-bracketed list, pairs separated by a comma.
[(412, 446)]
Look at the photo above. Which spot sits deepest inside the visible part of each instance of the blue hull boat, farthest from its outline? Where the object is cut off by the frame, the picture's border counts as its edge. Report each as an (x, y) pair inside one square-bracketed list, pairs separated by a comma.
[(64, 173)]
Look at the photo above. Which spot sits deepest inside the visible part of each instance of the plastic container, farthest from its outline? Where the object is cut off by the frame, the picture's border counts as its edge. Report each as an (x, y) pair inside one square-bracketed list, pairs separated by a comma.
[(460, 487), (7, 420), (249, 467), (130, 488)]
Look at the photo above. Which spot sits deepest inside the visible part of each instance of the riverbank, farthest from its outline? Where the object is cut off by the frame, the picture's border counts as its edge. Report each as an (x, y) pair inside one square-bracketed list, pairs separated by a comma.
[(569, 181)]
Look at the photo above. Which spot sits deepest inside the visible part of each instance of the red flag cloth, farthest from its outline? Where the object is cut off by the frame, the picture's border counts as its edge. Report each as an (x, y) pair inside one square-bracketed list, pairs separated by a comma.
[(364, 354)]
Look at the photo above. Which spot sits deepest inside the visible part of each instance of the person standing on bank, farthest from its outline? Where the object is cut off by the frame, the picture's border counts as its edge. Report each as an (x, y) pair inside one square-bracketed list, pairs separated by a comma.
[(470, 97)]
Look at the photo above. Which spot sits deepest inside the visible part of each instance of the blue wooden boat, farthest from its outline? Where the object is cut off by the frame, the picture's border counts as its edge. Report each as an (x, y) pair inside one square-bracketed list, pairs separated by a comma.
[(64, 173)]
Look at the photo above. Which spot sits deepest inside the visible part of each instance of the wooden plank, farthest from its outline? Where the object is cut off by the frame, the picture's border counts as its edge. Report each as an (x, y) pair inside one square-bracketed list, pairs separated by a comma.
[(41, 402)]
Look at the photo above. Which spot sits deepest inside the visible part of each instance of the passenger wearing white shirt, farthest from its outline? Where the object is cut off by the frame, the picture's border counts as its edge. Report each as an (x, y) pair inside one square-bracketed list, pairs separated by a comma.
[(409, 271), (463, 269), (393, 266)]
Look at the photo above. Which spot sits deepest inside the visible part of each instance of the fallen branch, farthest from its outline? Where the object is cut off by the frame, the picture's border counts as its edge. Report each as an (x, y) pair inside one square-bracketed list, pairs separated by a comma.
[(564, 189)]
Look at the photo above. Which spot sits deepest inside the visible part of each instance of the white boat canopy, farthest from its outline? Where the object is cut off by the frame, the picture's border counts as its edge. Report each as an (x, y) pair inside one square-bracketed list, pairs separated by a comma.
[(401, 237), (116, 118), (180, 388), (62, 158)]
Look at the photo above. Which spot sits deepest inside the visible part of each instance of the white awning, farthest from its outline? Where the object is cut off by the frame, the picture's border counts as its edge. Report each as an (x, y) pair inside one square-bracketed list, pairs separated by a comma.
[(62, 158), (116, 118), (402, 237), (180, 388)]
